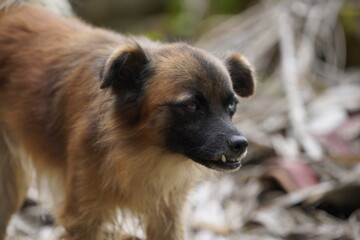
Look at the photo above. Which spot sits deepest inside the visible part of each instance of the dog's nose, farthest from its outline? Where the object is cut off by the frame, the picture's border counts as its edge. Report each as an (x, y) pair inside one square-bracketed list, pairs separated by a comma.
[(238, 144)]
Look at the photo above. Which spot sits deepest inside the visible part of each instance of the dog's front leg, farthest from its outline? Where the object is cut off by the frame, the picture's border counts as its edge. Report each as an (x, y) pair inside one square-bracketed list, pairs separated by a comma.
[(84, 209), (165, 222), (81, 217)]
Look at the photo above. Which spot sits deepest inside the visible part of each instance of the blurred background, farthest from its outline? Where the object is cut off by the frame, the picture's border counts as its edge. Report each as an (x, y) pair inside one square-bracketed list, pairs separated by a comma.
[(301, 179)]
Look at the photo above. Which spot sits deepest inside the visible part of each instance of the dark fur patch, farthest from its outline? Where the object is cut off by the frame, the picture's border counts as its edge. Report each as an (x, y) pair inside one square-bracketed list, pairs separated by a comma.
[(126, 74), (241, 76), (125, 71)]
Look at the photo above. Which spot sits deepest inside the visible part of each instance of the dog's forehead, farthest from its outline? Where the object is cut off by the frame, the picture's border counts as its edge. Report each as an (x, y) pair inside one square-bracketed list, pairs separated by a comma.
[(185, 70)]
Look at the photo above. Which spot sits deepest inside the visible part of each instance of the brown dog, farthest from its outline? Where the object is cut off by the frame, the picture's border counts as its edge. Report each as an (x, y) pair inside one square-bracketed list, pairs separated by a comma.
[(115, 123)]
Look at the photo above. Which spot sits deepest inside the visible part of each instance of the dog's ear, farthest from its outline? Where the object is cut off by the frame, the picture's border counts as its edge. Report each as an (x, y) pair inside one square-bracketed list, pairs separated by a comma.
[(242, 75), (125, 71)]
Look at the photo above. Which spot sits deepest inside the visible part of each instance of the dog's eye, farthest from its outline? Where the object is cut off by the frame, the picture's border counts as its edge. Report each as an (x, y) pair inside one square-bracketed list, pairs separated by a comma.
[(191, 106), (232, 107)]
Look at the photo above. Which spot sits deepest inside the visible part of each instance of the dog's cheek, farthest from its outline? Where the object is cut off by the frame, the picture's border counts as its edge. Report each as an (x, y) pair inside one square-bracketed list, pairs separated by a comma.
[(193, 137), (182, 136), (196, 144)]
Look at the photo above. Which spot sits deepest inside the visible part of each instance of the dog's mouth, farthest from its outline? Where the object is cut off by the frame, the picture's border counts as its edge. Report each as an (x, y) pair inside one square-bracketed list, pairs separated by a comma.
[(221, 164)]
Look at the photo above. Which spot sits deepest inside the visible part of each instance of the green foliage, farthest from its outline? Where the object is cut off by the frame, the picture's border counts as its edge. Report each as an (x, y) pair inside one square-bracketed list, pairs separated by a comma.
[(228, 6), (350, 20)]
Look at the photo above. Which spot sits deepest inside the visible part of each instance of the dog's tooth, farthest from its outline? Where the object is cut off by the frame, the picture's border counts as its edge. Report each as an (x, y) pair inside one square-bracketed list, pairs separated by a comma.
[(223, 158), (242, 156)]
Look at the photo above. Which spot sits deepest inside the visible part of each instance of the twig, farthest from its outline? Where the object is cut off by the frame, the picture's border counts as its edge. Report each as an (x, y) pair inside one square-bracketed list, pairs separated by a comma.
[(290, 80)]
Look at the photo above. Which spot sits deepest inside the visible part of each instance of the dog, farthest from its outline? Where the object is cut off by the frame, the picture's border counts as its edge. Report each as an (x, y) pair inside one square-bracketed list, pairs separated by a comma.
[(112, 122)]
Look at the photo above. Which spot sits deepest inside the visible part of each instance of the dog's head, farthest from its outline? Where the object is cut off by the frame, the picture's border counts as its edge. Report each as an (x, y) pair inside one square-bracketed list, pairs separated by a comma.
[(184, 98)]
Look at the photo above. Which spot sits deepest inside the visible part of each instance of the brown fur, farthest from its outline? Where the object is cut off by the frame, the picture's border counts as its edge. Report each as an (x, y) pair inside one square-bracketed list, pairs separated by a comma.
[(53, 112)]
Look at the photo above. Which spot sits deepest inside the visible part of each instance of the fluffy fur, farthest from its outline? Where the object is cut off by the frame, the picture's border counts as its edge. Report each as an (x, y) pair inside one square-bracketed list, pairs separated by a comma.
[(95, 112)]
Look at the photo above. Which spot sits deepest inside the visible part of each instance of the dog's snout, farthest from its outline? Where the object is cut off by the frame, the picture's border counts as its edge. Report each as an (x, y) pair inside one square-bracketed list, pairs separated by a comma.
[(238, 144)]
